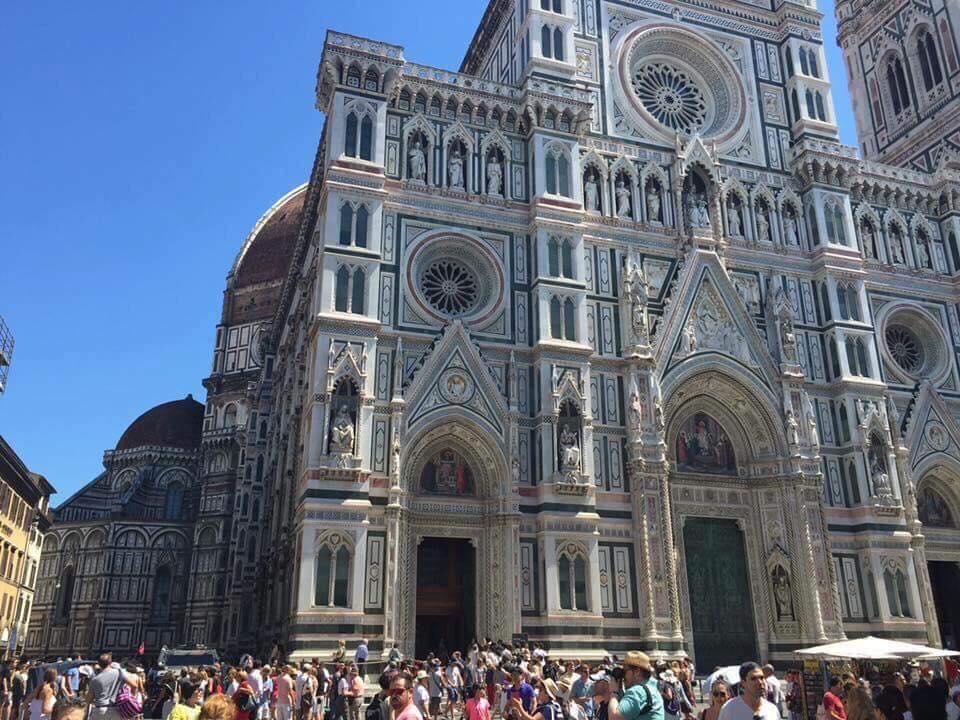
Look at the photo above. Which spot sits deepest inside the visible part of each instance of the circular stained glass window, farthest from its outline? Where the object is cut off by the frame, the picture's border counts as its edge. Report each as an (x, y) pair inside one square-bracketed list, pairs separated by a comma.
[(671, 96), (449, 286), (905, 347)]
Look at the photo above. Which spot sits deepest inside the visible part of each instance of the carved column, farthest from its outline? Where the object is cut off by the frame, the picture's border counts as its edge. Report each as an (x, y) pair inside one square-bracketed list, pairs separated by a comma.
[(810, 590), (670, 558), (644, 564)]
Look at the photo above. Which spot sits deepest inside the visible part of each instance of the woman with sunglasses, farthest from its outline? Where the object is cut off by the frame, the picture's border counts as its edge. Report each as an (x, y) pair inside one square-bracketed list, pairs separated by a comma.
[(719, 694)]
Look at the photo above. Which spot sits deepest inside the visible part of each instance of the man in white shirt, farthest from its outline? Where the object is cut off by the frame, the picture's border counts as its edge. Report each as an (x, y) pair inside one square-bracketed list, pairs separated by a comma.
[(773, 690), (421, 696), (752, 703)]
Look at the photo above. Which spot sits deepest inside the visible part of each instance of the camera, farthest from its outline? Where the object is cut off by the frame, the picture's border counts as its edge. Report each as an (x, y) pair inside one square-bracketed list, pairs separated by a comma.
[(617, 674)]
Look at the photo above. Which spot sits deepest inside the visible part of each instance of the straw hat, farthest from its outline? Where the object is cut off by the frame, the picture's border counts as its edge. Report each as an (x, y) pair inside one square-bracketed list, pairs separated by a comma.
[(637, 659), (422, 675), (551, 687)]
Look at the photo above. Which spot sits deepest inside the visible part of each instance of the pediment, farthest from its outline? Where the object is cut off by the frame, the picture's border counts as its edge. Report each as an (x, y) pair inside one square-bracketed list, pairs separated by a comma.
[(932, 429)]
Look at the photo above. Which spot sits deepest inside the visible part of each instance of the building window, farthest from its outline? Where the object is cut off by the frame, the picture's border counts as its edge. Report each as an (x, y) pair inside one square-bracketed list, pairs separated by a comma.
[(332, 573), (349, 293), (834, 217), (895, 582), (929, 60), (849, 302), (174, 501), (358, 141), (560, 257), (562, 319), (65, 597), (354, 223), (857, 357), (160, 607), (897, 85), (572, 578), (558, 171)]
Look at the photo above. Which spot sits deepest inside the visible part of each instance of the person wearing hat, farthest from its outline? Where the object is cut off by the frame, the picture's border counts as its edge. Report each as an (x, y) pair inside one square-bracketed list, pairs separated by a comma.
[(548, 708), (573, 710), (421, 696), (641, 697)]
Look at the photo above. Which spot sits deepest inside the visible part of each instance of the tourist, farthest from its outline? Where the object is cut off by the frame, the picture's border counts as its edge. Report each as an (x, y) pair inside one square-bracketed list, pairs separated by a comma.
[(571, 709), (600, 692), (547, 707), (773, 690), (477, 706), (188, 708), (361, 655), (832, 703), (68, 708), (286, 697), (675, 701), (401, 698), (18, 683), (436, 684), (355, 698), (641, 696), (41, 705), (453, 676), (421, 696), (751, 704), (580, 691), (719, 694), (953, 704), (794, 696), (926, 703), (520, 690), (340, 654), (244, 697), (218, 707), (104, 687), (859, 705), (6, 690), (892, 702)]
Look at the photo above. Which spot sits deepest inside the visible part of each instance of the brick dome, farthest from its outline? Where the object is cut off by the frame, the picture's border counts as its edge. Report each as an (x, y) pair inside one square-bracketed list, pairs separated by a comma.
[(266, 255), (176, 424)]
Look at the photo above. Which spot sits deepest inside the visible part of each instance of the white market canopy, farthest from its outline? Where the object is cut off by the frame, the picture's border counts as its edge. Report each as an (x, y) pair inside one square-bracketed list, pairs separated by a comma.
[(873, 648)]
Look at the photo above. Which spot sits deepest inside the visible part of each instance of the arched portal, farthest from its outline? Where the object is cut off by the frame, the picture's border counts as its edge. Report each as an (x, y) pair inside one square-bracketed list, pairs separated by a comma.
[(452, 585), (736, 568)]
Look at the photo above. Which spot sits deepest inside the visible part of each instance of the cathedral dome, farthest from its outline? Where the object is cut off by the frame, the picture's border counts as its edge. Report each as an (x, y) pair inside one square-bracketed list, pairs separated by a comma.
[(266, 254), (176, 424)]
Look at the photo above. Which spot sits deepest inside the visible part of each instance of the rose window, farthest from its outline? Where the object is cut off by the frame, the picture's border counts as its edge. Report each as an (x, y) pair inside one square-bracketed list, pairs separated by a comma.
[(904, 347), (449, 286), (671, 96)]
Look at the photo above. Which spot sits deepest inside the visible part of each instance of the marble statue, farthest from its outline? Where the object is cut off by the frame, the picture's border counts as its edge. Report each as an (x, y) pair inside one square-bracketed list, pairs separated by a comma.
[(897, 250), (697, 212), (633, 287), (341, 436), (763, 228), (569, 451), (623, 199), (636, 411), (811, 417), (869, 242), (455, 169), (733, 220), (881, 482), (782, 595), (793, 429), (591, 192), (418, 161), (653, 204), (790, 230), (494, 176), (923, 257)]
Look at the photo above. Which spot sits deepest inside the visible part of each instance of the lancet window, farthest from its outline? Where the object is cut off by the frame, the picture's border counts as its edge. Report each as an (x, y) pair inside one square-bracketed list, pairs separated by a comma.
[(332, 580)]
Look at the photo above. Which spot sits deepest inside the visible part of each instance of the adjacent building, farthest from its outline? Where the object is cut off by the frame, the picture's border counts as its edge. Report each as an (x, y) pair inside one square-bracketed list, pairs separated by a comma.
[(604, 339)]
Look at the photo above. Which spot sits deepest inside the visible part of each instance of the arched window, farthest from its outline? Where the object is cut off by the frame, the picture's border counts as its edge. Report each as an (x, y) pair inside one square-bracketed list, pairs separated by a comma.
[(821, 111), (371, 81), (558, 6), (546, 41), (360, 233), (857, 357), (825, 303), (954, 251), (566, 259), (569, 320), (65, 596), (929, 60), (854, 484), (160, 605), (804, 64), (553, 257), (844, 423), (244, 505), (174, 501), (814, 69), (353, 76), (795, 101), (230, 415), (357, 296), (897, 85), (255, 510), (259, 474), (350, 135), (572, 578), (842, 302), (790, 71), (558, 172), (332, 573), (811, 109), (853, 303), (812, 222), (834, 358), (556, 318), (346, 224), (558, 44), (342, 293), (251, 548), (895, 583)]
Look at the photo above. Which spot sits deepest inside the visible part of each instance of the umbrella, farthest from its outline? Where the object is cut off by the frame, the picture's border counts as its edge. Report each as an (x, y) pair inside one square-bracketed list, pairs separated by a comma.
[(873, 648), (730, 675)]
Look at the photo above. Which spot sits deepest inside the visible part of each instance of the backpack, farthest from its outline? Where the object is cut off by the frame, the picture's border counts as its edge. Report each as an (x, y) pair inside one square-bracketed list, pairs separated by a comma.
[(245, 702), (671, 703), (374, 710)]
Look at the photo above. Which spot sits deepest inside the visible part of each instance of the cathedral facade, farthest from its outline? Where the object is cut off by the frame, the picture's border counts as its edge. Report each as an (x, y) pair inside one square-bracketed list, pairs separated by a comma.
[(604, 340)]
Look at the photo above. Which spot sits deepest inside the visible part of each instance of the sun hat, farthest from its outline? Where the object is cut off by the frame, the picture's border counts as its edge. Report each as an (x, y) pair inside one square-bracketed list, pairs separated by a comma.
[(637, 659), (422, 675), (551, 687)]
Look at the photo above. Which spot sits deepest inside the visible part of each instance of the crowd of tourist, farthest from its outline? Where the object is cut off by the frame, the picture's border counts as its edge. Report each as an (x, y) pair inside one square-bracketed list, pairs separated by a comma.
[(489, 680)]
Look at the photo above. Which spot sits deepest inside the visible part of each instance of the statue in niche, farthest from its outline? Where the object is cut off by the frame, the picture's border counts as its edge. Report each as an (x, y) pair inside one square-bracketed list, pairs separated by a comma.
[(788, 338), (782, 595), (342, 433), (418, 161), (653, 203), (494, 175), (869, 241), (697, 213), (633, 287), (591, 192), (455, 169), (689, 338), (793, 429), (763, 227), (623, 199), (569, 451), (636, 410), (897, 249), (811, 417), (733, 220), (923, 257), (790, 230)]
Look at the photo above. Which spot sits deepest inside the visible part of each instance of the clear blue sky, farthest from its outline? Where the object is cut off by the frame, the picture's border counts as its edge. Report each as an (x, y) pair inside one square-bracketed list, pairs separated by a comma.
[(140, 143)]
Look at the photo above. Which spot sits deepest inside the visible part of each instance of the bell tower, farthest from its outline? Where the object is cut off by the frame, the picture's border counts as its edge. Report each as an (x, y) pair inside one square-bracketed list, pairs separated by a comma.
[(902, 58)]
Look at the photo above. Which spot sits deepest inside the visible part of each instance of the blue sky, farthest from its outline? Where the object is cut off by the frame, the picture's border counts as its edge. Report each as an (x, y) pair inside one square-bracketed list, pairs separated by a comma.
[(141, 141)]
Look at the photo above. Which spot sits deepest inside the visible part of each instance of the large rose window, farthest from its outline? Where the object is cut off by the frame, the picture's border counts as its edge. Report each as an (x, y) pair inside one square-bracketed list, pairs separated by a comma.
[(914, 342), (671, 96), (449, 286), (905, 347), (675, 80)]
